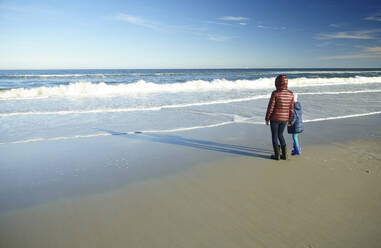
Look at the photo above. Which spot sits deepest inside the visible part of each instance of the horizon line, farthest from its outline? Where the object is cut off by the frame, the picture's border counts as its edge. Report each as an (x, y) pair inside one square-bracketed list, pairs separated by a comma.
[(190, 68)]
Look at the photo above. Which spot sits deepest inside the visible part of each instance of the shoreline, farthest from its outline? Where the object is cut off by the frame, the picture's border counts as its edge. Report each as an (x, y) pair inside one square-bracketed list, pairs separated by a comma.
[(82, 166), (176, 130)]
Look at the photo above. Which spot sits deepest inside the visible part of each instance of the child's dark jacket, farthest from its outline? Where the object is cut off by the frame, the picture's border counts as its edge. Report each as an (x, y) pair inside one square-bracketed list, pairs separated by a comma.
[(297, 120)]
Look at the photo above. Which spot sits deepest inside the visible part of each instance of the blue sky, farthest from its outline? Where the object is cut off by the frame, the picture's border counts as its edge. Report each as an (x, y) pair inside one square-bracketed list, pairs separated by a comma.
[(189, 34)]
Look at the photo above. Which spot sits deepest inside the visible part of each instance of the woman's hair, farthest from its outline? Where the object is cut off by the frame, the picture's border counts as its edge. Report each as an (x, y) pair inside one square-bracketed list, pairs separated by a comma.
[(295, 97)]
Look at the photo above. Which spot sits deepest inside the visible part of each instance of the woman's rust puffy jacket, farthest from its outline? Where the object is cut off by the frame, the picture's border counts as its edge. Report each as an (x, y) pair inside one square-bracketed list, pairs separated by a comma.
[(281, 104)]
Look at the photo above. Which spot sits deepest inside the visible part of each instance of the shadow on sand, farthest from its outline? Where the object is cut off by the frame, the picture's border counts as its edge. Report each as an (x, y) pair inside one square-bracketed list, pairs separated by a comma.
[(195, 143)]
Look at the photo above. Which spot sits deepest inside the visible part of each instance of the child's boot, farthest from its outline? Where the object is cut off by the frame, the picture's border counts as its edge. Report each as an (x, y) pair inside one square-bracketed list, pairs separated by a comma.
[(294, 150), (299, 150)]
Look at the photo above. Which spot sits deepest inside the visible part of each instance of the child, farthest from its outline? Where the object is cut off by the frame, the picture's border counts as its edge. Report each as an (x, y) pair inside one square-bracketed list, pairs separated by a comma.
[(296, 126)]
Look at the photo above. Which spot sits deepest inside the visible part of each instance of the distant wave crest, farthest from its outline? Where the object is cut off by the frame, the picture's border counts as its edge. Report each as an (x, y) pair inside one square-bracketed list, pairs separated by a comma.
[(84, 75), (89, 89), (171, 106)]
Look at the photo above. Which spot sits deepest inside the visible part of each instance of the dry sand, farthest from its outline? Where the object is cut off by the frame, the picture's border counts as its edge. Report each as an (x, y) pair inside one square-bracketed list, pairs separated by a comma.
[(329, 197)]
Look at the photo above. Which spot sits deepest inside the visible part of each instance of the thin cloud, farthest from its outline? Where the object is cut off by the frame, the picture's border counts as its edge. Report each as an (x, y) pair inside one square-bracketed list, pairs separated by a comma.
[(138, 21), (329, 43), (355, 56), (158, 26), (220, 23), (17, 8), (376, 49), (360, 35), (271, 28), (27, 9), (333, 25), (231, 21), (233, 18), (324, 44), (366, 53), (375, 17), (219, 38)]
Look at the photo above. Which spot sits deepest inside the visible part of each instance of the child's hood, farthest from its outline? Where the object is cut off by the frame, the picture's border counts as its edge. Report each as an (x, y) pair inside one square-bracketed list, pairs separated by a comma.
[(298, 106)]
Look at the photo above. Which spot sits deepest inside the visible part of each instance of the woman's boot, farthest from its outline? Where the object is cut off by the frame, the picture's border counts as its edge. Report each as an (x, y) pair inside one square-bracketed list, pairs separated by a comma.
[(276, 153), (284, 153)]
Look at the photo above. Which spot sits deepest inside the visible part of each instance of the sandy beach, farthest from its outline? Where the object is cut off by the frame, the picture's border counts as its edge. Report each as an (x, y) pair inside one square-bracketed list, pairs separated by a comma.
[(204, 188), (142, 124)]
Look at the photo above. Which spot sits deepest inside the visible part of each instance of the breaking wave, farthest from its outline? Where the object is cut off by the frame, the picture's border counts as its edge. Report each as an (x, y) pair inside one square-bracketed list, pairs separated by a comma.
[(171, 106), (89, 89)]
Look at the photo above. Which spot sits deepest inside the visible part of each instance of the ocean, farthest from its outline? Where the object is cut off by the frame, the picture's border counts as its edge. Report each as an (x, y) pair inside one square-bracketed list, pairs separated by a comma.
[(46, 105)]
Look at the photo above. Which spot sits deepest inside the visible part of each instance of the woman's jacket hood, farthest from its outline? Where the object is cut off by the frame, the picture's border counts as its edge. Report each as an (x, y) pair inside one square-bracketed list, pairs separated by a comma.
[(281, 82)]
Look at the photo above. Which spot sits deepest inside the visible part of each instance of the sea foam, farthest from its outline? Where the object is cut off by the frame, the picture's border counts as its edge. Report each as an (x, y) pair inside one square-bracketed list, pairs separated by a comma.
[(89, 89), (172, 106)]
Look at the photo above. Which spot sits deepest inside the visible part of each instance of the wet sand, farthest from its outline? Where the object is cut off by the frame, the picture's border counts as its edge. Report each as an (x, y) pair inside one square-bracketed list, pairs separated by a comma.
[(209, 188)]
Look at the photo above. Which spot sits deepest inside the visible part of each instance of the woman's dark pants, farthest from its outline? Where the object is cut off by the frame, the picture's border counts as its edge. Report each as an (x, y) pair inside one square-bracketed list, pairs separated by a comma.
[(277, 129)]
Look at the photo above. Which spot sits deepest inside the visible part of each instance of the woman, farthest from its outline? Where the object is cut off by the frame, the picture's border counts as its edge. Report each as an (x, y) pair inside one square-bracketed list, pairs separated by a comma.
[(279, 112)]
